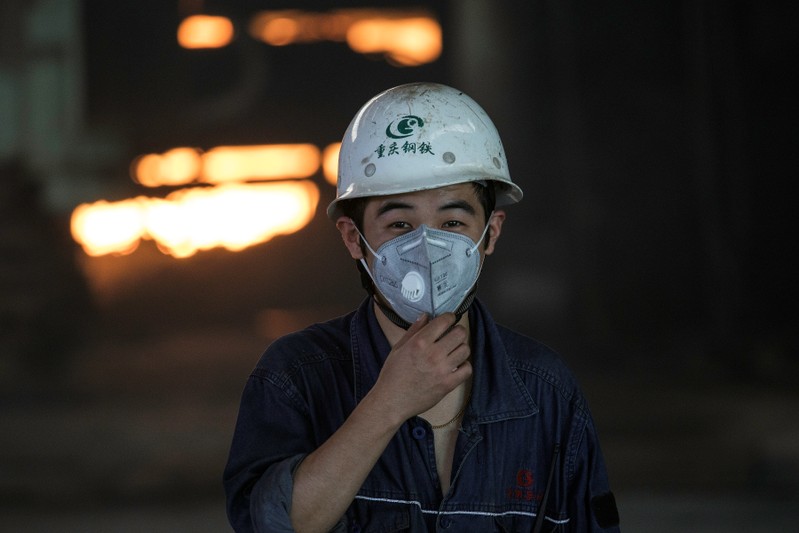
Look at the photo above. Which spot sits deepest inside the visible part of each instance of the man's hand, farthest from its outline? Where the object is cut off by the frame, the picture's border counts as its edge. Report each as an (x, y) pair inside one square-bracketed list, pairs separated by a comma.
[(430, 360), (427, 363)]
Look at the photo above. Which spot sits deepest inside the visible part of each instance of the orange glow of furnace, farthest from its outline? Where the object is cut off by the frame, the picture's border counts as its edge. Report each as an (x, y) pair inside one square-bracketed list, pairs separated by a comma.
[(205, 31), (233, 216)]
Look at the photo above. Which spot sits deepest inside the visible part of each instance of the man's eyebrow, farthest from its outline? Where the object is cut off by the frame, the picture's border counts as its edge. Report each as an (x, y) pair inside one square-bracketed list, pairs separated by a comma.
[(459, 204), (390, 206), (462, 205)]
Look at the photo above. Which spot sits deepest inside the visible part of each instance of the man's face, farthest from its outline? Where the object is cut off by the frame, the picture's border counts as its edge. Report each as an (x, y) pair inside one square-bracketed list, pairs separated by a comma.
[(454, 208)]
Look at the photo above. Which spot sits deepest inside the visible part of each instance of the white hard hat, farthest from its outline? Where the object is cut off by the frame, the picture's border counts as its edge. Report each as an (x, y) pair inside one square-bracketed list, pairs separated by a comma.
[(420, 136)]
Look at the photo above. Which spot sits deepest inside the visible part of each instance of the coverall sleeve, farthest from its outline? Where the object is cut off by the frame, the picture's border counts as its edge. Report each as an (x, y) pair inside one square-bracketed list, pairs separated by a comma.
[(592, 504), (272, 436)]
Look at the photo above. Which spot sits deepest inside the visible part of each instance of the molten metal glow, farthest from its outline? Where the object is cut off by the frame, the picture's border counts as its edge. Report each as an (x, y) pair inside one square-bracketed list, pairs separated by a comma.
[(183, 166), (279, 161), (279, 28), (406, 37), (203, 31), (280, 31), (330, 162), (178, 166), (231, 216), (108, 228), (409, 42)]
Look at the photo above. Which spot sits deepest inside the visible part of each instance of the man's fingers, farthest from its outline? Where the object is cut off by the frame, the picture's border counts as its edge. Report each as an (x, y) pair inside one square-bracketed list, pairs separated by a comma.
[(440, 338), (413, 329), (454, 336), (463, 372), (459, 355), (440, 326), (430, 330)]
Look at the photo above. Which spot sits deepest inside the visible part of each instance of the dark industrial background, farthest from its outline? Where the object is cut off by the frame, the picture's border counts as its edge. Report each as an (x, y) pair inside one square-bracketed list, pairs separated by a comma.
[(654, 249)]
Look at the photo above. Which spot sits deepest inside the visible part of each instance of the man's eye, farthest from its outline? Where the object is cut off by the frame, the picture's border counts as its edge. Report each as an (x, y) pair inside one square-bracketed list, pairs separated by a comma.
[(399, 225), (452, 224)]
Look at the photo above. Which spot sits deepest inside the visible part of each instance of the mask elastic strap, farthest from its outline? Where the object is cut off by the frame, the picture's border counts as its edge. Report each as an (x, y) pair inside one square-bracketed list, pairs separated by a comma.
[(474, 248), (380, 258), (362, 260)]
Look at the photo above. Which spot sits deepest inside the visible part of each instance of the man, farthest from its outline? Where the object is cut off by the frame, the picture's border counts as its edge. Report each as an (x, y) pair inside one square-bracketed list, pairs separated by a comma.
[(417, 412)]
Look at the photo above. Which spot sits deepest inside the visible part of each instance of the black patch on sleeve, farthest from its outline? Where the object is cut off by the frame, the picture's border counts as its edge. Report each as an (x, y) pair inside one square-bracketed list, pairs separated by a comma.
[(605, 511)]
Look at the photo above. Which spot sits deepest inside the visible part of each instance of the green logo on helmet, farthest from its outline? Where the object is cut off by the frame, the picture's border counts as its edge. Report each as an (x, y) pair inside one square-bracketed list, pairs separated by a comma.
[(407, 147), (405, 127)]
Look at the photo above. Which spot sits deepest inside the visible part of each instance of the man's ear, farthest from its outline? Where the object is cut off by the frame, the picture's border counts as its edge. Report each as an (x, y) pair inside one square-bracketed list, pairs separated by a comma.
[(494, 230), (350, 236)]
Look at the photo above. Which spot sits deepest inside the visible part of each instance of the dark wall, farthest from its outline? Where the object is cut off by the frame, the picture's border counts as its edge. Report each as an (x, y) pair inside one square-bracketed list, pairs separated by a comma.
[(652, 142)]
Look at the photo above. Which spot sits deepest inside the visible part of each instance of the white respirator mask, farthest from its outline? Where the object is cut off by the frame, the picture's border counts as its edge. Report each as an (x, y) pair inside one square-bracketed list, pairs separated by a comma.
[(426, 271)]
